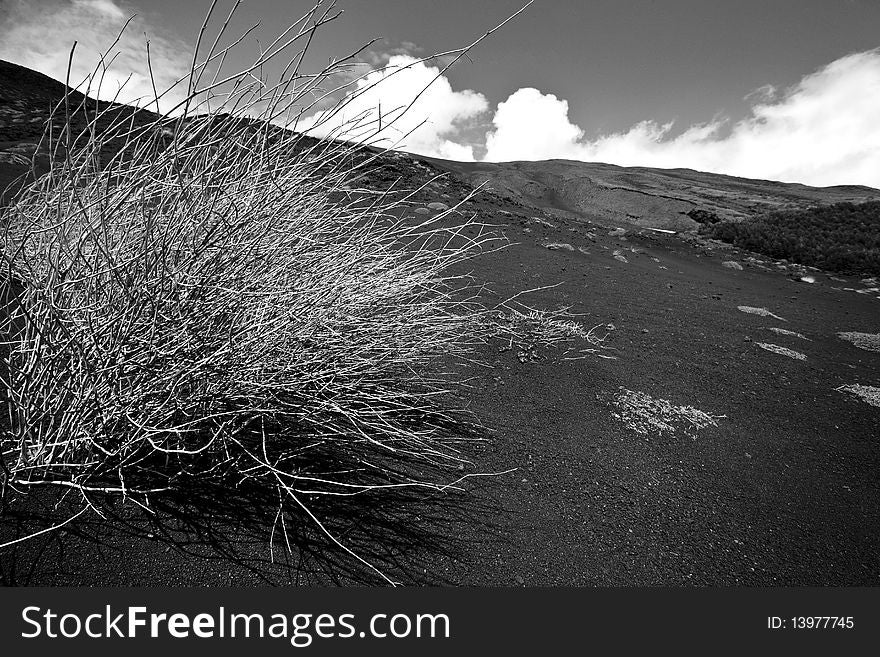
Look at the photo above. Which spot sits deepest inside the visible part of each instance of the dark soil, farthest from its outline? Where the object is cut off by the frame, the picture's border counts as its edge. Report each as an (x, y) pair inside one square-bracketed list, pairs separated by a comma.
[(782, 492)]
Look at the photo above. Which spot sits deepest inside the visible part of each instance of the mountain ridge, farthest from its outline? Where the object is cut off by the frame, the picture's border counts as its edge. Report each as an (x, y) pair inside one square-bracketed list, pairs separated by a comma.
[(642, 197)]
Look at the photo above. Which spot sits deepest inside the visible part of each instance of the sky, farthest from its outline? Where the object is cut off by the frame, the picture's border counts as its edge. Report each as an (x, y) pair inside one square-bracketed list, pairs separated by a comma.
[(776, 89)]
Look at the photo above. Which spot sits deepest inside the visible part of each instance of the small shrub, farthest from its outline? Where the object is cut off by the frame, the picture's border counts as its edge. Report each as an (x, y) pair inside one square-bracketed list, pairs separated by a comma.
[(703, 216), (206, 303)]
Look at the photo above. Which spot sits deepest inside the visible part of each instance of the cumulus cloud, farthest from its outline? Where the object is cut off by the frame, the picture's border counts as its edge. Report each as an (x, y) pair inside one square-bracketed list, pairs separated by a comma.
[(822, 131), (39, 35), (433, 125), (530, 125)]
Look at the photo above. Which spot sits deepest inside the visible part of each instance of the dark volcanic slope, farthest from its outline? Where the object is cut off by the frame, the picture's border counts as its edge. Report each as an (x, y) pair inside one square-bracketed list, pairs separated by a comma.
[(649, 198), (784, 490), (27, 101)]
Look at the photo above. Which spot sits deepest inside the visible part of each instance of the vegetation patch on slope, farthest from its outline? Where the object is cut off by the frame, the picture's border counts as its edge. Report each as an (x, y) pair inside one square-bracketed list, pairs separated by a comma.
[(843, 237)]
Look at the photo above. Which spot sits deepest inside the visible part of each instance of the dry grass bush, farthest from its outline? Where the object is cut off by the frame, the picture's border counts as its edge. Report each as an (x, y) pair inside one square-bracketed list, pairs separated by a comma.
[(211, 304), (529, 330)]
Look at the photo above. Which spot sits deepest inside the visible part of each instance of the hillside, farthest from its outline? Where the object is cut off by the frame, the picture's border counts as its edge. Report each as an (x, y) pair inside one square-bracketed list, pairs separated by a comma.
[(725, 434), (27, 100), (637, 196), (644, 197)]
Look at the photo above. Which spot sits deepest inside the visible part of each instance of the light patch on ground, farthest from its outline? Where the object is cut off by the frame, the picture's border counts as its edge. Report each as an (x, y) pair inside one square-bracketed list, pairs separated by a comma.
[(783, 351), (866, 341), (782, 331), (647, 416), (869, 394), (763, 312)]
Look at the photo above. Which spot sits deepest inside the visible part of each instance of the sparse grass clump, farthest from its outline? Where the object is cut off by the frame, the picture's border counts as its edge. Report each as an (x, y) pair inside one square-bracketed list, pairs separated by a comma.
[(529, 330), (649, 416)]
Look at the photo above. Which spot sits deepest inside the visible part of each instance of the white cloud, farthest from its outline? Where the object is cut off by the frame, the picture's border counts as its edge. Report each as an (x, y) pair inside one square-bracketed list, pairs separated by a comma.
[(822, 131), (432, 126), (106, 7), (530, 125), (39, 35)]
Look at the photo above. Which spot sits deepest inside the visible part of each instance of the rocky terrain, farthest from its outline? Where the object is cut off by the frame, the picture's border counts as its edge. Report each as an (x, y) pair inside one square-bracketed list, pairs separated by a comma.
[(726, 433)]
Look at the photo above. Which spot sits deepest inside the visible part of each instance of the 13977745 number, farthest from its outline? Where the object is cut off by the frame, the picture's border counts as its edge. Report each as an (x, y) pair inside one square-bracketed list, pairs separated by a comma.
[(811, 623)]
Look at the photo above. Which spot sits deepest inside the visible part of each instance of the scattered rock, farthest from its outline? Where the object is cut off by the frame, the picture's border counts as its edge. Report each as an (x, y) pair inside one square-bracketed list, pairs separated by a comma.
[(423, 211), (807, 279), (866, 341), (782, 351), (782, 331), (868, 394), (557, 246), (763, 312), (621, 258), (617, 232), (438, 206), (732, 264)]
